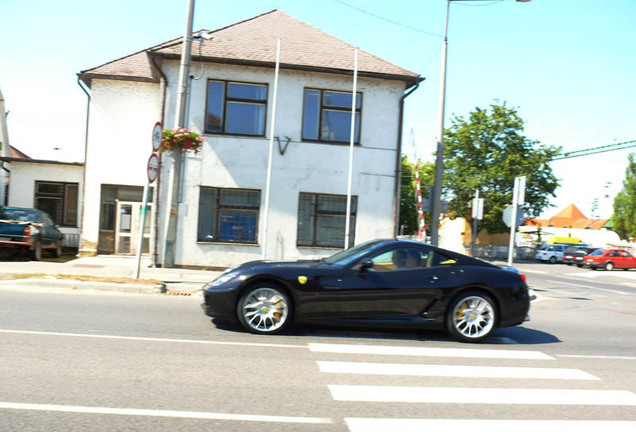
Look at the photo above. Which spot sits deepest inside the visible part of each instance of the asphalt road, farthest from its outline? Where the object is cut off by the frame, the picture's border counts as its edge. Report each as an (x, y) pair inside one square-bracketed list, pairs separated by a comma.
[(89, 361)]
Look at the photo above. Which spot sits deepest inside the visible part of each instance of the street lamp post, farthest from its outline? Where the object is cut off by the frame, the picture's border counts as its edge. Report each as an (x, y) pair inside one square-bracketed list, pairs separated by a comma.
[(436, 201)]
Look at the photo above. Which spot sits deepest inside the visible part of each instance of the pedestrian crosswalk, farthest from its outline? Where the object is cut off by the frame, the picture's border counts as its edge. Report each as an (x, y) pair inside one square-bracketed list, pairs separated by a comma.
[(539, 384)]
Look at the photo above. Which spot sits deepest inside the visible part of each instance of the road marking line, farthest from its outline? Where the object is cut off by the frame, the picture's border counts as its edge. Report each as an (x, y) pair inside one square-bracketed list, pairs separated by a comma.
[(163, 413), (453, 371), (145, 339), (419, 425), (467, 395), (428, 352), (589, 287), (597, 357)]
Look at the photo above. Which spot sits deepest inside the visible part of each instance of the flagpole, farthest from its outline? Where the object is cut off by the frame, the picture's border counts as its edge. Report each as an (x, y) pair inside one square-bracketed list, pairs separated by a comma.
[(271, 153), (351, 143)]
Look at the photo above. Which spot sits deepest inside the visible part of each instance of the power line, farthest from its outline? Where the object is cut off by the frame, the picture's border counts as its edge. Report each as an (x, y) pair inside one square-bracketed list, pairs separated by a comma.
[(596, 150), (388, 20)]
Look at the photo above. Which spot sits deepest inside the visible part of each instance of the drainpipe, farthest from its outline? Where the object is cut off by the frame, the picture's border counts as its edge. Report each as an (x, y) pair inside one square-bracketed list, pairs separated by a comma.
[(398, 163), (156, 190), (84, 88)]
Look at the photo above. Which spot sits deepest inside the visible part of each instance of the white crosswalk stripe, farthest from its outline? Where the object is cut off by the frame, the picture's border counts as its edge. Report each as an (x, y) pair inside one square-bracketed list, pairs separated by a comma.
[(465, 395), (475, 396), (428, 352), (419, 425), (453, 371)]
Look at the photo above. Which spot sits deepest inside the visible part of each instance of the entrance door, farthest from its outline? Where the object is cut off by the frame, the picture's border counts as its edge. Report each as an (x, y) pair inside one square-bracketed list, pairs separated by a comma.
[(127, 228)]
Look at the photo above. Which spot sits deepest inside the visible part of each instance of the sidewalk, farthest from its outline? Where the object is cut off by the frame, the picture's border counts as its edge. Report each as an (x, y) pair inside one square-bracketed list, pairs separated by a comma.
[(172, 280)]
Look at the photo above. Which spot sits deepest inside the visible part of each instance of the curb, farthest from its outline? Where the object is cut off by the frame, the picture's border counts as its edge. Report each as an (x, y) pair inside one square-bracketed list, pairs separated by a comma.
[(85, 285)]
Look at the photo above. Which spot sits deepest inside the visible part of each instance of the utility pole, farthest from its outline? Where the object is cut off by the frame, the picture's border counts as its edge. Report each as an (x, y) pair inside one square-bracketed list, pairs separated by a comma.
[(174, 193)]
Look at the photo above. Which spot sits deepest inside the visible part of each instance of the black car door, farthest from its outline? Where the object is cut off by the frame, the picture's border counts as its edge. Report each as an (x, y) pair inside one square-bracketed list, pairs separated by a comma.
[(400, 282)]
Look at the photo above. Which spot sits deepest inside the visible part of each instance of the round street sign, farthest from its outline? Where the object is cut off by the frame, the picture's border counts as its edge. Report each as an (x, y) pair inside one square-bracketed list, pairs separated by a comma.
[(153, 167), (156, 137)]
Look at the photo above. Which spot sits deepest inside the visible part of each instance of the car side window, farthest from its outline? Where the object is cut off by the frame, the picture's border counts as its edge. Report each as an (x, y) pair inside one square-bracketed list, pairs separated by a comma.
[(398, 259)]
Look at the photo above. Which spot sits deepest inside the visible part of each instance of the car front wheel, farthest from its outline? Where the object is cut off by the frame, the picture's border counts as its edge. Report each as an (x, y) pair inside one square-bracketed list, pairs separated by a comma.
[(472, 317), (264, 309), (609, 266)]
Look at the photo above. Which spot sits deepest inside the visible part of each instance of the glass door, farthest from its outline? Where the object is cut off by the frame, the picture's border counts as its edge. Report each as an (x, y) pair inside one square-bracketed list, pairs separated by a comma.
[(127, 228)]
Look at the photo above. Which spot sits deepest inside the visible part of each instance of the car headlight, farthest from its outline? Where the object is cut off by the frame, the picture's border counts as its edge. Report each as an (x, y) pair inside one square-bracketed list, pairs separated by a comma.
[(223, 278)]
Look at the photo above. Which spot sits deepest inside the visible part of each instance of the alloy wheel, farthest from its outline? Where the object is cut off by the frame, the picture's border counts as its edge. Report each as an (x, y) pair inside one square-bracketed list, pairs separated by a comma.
[(264, 310)]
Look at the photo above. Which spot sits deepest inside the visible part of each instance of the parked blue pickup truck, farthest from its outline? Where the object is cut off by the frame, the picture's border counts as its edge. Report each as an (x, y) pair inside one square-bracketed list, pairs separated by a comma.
[(29, 230)]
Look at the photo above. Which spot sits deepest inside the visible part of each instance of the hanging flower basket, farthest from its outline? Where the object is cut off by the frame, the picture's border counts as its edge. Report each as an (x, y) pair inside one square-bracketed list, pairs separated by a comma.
[(180, 139)]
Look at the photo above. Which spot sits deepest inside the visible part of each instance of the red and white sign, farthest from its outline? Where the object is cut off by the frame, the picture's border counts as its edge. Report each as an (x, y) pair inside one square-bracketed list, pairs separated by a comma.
[(156, 137), (153, 167)]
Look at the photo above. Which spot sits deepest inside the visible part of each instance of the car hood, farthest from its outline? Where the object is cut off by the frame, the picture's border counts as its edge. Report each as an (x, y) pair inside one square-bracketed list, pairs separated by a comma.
[(277, 265)]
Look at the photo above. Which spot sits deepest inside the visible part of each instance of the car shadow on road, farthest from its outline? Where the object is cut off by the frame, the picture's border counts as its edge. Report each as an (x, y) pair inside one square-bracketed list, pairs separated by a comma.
[(503, 336)]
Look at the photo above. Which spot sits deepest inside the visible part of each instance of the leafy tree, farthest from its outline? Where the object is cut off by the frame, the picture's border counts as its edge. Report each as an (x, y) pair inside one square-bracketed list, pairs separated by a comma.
[(486, 152), (624, 217), (408, 198)]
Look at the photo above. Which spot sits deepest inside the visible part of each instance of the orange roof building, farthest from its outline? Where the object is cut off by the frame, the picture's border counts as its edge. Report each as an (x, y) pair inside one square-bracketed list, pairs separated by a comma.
[(569, 217)]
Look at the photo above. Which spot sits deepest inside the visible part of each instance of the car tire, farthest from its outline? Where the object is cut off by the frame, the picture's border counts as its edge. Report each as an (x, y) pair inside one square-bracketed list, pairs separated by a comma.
[(609, 266), (264, 309), (553, 260), (57, 252), (36, 252), (472, 317)]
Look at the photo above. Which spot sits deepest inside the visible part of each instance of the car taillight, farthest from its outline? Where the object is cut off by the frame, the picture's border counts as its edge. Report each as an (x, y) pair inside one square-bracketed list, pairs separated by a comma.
[(27, 230), (523, 277)]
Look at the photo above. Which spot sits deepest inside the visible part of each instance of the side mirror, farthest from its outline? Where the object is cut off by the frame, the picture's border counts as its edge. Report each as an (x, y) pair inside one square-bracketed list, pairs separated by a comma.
[(366, 264)]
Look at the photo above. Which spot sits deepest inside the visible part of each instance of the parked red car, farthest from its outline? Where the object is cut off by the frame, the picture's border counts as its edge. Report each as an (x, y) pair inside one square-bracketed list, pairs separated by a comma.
[(609, 259)]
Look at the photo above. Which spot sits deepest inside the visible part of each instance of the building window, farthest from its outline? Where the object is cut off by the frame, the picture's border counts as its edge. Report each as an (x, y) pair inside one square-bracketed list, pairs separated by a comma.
[(236, 108), (228, 215), (327, 116), (60, 200), (321, 220)]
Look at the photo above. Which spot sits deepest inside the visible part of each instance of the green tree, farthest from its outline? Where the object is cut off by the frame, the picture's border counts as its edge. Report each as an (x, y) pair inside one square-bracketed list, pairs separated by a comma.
[(486, 152), (624, 217), (408, 198)]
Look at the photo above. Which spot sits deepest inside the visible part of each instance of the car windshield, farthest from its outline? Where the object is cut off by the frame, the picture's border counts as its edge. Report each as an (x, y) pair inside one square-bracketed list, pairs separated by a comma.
[(597, 252), (19, 215), (348, 255)]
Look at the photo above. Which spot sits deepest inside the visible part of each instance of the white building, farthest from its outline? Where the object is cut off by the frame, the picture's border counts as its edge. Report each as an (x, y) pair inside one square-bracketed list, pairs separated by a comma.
[(52, 186), (221, 219)]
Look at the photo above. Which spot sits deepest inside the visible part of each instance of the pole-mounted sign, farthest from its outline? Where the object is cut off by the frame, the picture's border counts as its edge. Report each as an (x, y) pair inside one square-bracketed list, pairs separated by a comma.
[(153, 167)]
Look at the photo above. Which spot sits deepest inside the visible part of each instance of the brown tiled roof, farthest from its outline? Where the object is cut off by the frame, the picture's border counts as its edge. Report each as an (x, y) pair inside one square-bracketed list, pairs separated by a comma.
[(15, 153), (253, 42)]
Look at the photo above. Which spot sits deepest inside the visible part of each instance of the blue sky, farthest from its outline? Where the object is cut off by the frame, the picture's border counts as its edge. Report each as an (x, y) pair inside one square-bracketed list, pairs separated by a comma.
[(568, 66)]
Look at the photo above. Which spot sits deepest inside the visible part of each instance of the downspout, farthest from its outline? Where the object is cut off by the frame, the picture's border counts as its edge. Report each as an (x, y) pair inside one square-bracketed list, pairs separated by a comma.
[(398, 163), (156, 190), (88, 110)]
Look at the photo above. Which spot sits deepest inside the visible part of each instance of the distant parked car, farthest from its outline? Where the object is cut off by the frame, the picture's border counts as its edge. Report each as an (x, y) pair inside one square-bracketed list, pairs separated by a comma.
[(609, 259), (574, 254), (551, 253), (30, 230)]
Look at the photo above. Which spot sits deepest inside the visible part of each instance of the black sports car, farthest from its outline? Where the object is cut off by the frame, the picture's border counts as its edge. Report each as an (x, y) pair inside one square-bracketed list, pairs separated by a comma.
[(386, 282)]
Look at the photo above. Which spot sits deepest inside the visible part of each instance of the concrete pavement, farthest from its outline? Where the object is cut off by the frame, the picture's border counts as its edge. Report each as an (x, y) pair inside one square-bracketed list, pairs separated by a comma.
[(170, 280)]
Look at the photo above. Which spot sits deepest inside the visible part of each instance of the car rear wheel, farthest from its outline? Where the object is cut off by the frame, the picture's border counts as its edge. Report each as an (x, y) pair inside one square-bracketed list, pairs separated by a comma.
[(471, 317), (57, 252), (264, 309), (36, 253), (609, 266), (553, 260)]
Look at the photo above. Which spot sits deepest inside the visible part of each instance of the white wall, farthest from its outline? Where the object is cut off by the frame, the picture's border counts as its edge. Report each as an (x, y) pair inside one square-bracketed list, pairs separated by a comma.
[(122, 116), (305, 167)]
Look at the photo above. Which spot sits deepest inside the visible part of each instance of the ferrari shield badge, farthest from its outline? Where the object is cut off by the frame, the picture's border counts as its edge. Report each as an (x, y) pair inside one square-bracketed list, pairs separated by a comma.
[(302, 280)]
